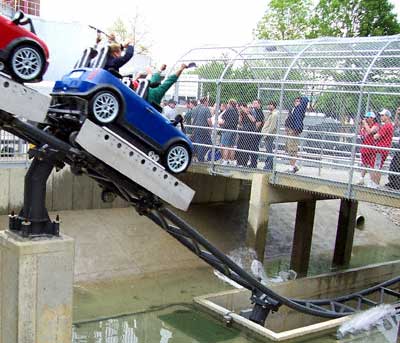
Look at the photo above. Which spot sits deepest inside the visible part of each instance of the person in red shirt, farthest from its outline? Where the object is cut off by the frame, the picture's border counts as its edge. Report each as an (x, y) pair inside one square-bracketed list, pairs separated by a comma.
[(369, 127), (383, 138)]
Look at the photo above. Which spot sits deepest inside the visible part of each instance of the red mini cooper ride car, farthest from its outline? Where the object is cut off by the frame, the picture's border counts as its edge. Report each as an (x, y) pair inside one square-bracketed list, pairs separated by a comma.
[(23, 55)]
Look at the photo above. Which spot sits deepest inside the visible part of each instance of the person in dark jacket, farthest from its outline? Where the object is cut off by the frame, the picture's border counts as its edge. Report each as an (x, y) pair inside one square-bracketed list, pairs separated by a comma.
[(294, 127), (201, 115), (229, 120), (115, 58)]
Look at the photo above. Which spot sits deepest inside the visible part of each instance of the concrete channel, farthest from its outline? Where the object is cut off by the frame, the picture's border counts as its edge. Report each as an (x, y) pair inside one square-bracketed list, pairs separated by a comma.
[(116, 243)]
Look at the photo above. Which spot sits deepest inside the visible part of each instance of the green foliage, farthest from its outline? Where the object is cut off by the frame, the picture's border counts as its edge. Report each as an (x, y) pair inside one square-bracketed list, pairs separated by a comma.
[(354, 18), (285, 19), (294, 19), (242, 92)]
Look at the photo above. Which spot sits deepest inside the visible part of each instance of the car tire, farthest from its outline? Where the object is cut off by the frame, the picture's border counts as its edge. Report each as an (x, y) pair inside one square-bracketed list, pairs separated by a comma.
[(105, 107), (26, 63), (177, 158)]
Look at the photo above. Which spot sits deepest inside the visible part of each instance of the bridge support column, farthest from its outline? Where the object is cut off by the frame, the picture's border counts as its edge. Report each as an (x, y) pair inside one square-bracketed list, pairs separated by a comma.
[(302, 239), (36, 279), (345, 233), (257, 220)]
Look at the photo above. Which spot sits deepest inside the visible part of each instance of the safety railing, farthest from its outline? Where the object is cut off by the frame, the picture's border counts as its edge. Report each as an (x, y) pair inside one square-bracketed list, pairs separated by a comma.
[(319, 157), (13, 150)]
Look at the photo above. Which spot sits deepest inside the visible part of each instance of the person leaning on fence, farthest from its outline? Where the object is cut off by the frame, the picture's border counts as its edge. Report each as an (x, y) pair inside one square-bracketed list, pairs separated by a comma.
[(383, 138), (369, 127), (294, 127), (269, 129), (394, 180), (201, 115)]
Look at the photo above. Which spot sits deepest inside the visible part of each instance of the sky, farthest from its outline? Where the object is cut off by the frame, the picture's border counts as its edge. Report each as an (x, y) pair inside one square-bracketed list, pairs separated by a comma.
[(174, 26)]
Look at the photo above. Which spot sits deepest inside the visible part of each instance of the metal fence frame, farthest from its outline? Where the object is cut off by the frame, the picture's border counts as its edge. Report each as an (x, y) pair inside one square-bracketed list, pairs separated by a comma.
[(373, 55)]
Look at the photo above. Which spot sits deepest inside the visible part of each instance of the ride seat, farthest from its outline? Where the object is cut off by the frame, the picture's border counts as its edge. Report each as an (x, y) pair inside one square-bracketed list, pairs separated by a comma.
[(142, 88), (99, 61), (84, 60)]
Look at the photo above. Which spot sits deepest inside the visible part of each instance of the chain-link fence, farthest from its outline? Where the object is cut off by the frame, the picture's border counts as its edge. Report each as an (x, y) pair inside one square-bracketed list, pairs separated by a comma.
[(328, 109)]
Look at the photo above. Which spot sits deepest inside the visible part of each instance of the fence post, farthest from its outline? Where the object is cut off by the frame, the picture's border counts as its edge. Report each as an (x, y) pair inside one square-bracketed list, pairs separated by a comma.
[(214, 131), (353, 147)]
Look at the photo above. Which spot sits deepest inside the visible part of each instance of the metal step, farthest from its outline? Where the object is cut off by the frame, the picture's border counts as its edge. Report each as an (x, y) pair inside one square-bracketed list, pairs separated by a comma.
[(134, 164), (21, 101)]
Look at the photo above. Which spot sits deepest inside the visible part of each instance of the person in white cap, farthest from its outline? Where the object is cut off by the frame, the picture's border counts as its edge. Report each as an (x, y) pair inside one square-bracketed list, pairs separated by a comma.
[(369, 127), (383, 138)]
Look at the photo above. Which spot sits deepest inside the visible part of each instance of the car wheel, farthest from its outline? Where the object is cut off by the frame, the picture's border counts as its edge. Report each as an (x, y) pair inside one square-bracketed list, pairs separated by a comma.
[(177, 158), (26, 63), (105, 107)]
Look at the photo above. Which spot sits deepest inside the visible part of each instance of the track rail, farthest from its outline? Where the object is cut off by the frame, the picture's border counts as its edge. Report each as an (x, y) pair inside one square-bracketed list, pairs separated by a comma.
[(58, 150)]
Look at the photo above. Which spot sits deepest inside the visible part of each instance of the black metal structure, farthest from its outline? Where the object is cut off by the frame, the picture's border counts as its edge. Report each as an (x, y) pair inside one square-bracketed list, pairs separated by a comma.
[(54, 149)]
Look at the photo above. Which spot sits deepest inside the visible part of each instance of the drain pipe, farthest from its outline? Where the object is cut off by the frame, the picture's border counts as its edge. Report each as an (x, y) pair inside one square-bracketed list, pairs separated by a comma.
[(360, 222)]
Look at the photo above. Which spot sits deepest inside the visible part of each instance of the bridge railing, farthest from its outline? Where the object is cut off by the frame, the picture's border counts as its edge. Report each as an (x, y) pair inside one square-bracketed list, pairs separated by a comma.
[(13, 150), (334, 157)]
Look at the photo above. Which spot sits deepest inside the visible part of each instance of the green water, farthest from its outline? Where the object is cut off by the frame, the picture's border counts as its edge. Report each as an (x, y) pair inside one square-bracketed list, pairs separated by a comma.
[(159, 309), (180, 323)]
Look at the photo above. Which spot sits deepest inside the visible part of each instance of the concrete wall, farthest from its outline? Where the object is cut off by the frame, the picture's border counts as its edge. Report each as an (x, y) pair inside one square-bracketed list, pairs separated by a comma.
[(66, 191)]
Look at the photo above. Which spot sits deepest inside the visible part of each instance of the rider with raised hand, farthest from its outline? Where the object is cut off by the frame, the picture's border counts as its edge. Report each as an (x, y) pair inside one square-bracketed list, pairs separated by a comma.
[(115, 58)]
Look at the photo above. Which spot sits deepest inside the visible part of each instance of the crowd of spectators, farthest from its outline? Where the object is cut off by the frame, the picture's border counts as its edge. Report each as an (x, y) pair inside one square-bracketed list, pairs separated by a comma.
[(241, 127)]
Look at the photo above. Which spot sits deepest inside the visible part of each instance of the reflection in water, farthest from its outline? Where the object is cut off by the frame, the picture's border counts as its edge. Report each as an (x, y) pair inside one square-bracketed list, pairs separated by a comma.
[(170, 324)]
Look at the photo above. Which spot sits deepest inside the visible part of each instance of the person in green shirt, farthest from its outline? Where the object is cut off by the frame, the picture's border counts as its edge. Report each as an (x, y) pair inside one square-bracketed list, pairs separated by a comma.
[(157, 89)]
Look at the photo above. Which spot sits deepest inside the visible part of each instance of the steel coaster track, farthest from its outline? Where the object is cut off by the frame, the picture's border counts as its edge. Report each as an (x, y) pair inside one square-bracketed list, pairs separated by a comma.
[(146, 203)]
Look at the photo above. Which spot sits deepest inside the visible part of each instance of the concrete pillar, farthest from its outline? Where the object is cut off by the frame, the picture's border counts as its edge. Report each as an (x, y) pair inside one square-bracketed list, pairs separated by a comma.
[(345, 232), (302, 239), (257, 221), (36, 279)]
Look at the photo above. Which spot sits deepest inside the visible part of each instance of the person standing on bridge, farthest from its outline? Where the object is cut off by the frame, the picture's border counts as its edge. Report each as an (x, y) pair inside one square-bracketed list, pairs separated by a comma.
[(383, 138), (369, 127), (201, 115), (269, 129), (294, 127)]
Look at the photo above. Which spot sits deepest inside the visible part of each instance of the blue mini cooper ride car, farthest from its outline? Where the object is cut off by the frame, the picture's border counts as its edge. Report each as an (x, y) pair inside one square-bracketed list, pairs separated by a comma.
[(113, 104)]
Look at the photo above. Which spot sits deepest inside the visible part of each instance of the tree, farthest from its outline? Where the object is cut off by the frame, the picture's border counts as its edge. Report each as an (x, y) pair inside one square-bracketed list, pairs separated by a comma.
[(353, 18), (212, 71), (285, 19), (295, 19), (134, 27)]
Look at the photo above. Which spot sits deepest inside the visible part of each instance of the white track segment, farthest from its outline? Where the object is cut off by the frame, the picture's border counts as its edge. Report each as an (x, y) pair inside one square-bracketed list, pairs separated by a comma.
[(21, 101), (134, 164)]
